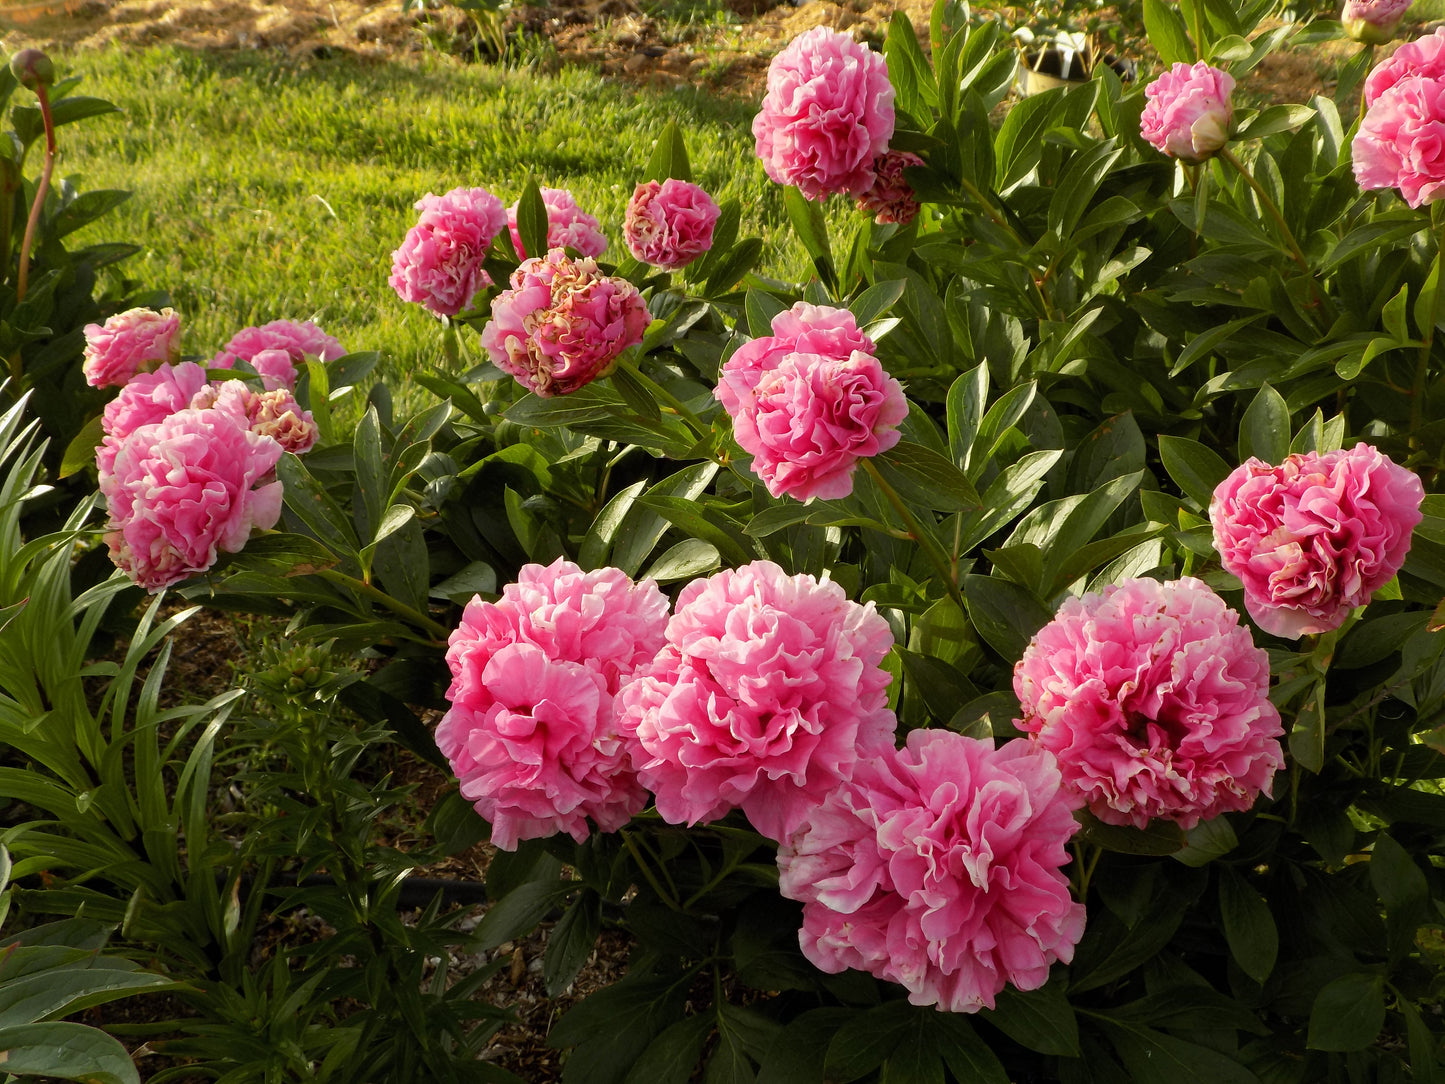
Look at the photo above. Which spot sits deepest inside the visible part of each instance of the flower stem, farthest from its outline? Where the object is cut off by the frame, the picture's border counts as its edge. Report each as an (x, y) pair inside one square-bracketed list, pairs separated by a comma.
[(401, 609), (931, 548), (1269, 206), (41, 191), (666, 398)]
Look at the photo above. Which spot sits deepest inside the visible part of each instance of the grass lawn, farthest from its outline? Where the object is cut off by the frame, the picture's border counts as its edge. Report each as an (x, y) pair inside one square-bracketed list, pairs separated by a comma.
[(267, 189)]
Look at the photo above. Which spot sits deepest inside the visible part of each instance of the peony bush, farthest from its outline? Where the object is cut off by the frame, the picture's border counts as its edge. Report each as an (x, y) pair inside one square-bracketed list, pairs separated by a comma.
[(1013, 653)]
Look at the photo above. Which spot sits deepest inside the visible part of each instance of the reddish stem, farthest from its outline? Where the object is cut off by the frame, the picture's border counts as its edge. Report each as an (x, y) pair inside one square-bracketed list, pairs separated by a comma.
[(33, 223)]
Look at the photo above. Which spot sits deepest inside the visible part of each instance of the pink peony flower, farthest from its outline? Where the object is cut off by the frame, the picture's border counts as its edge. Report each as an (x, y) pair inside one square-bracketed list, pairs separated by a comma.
[(939, 867), (274, 350), (130, 342), (273, 413), (810, 401), (183, 488), (563, 323), (568, 226), (1423, 57), (827, 115), (532, 734), (767, 692), (1316, 536), (1401, 141), (439, 263), (1155, 701), (1373, 21), (145, 399), (1188, 114), (668, 225), (891, 198)]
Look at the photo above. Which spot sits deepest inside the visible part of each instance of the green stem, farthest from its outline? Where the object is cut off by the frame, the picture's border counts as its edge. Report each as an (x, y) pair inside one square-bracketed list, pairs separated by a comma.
[(1422, 364), (395, 605), (666, 896), (1270, 208), (666, 398), (1086, 867), (1198, 29), (936, 556)]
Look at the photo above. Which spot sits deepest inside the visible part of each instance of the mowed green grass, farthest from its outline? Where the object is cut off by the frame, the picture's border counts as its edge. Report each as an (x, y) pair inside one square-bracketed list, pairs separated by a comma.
[(268, 189)]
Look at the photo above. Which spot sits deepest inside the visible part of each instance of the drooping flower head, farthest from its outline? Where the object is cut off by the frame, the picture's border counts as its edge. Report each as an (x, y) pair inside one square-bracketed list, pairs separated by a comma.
[(669, 223), (809, 401), (439, 263), (145, 399), (1188, 114), (274, 350), (1155, 701), (827, 115), (183, 489), (1373, 21), (939, 867), (568, 226), (1316, 536), (563, 323), (891, 198), (532, 732), (130, 342), (767, 692)]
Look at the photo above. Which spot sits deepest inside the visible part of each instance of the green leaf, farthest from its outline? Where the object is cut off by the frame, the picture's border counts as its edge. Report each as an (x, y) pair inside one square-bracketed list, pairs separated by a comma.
[(68, 1051), (1079, 185), (1424, 310), (1249, 926), (519, 911), (571, 942), (59, 991), (876, 300), (1195, 469), (1307, 736), (811, 227), (703, 522), (1020, 139), (642, 529), (1040, 1020), (597, 543), (1272, 119), (1264, 429), (1208, 840), (858, 1049), (371, 473), (477, 578), (1151, 1057), (672, 1057), (967, 1056), (314, 507), (1167, 32), (1160, 837), (532, 221), (1348, 1013), (761, 307), (80, 452), (1005, 614), (922, 476), (1403, 890), (669, 157), (690, 558), (967, 401)]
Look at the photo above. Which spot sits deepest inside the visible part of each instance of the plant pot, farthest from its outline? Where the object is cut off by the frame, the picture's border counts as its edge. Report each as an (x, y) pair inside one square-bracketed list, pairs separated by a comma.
[(1062, 65)]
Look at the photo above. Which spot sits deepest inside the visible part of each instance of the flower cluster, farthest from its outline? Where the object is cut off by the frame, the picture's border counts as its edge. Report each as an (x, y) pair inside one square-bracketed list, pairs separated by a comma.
[(670, 223), (563, 323), (767, 692), (1398, 144), (274, 350), (827, 115), (131, 342), (532, 732), (1188, 114), (1316, 536), (1155, 701), (809, 401), (439, 263), (568, 226), (939, 867), (186, 464)]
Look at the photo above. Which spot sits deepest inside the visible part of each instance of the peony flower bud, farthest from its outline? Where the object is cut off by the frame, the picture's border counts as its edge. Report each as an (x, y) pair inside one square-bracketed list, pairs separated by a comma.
[(32, 69), (1373, 22), (439, 263), (669, 224), (1188, 115)]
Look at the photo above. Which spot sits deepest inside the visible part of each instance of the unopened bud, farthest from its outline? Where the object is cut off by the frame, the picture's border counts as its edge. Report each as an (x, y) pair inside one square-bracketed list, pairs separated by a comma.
[(32, 69)]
